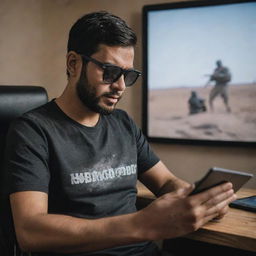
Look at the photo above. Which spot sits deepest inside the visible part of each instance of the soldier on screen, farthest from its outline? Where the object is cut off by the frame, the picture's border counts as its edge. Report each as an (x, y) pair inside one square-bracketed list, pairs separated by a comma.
[(196, 104), (221, 76)]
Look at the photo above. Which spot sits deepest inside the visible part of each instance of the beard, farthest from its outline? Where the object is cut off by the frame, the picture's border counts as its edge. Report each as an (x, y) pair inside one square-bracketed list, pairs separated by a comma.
[(87, 95)]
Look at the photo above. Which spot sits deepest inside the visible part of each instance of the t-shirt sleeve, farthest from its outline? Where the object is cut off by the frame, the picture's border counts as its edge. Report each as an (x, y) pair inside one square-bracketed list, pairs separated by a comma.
[(146, 158), (26, 157)]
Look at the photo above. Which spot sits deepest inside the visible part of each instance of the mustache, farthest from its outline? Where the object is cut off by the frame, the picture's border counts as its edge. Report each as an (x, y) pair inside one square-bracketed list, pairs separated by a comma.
[(111, 94)]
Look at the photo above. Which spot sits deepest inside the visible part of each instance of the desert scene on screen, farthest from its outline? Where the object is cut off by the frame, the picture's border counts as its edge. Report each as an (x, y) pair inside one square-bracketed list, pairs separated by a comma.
[(169, 115)]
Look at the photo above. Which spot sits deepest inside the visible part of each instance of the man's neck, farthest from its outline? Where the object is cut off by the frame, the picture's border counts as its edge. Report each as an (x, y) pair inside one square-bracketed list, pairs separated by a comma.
[(71, 105)]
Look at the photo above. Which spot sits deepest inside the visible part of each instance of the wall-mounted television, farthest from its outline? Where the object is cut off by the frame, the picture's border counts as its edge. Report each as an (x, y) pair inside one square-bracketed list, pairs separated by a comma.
[(199, 72)]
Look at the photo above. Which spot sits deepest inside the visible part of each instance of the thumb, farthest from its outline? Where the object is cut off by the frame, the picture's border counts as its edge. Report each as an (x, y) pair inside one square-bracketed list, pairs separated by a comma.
[(185, 191)]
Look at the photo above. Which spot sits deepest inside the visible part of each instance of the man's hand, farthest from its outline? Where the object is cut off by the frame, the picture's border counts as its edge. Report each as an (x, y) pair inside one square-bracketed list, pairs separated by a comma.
[(177, 213)]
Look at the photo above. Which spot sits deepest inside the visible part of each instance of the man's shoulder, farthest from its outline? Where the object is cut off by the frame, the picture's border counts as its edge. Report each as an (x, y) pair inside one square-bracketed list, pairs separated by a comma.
[(120, 113), (43, 111), (35, 116), (121, 116)]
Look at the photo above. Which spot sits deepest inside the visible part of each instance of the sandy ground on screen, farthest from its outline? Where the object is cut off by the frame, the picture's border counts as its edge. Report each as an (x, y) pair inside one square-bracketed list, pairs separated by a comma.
[(169, 114)]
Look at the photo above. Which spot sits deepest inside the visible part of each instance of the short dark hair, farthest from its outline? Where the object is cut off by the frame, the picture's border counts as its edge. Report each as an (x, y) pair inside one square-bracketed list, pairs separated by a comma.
[(97, 28)]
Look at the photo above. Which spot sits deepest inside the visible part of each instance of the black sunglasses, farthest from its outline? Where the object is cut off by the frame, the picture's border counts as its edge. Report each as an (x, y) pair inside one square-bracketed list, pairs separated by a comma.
[(112, 72)]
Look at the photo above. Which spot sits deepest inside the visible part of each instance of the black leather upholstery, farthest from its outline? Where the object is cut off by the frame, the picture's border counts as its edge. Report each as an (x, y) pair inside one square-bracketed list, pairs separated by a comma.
[(14, 101)]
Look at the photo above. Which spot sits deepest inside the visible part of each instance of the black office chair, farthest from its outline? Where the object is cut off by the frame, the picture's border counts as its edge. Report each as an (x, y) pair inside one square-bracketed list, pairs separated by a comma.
[(14, 101)]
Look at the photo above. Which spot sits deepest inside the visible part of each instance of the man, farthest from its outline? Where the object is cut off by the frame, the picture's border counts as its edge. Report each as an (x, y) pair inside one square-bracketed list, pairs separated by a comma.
[(75, 161), (221, 76), (196, 104)]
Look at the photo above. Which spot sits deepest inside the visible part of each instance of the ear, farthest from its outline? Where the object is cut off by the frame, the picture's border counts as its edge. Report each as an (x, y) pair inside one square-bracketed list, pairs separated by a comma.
[(74, 64)]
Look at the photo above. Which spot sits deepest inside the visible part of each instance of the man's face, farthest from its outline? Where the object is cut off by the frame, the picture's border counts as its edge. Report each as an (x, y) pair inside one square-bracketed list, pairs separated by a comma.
[(96, 95)]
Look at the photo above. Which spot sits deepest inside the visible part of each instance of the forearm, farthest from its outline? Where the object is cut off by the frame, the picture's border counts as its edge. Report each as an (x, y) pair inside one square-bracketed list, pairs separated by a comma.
[(172, 184), (66, 234), (160, 180)]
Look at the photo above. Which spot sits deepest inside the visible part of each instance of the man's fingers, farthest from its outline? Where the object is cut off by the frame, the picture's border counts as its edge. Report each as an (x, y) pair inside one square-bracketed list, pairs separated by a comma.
[(207, 219), (211, 193), (219, 198), (218, 208), (223, 212), (214, 202), (184, 192)]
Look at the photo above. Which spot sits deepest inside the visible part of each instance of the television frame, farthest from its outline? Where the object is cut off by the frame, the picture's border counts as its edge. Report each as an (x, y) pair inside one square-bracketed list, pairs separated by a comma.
[(145, 93)]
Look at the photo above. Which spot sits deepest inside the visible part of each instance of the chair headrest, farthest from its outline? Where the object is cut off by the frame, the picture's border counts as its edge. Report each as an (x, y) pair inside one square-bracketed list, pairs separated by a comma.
[(16, 100)]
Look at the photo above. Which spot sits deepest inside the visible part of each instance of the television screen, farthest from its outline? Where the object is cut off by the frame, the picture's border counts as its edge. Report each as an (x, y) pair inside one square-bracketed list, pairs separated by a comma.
[(199, 72)]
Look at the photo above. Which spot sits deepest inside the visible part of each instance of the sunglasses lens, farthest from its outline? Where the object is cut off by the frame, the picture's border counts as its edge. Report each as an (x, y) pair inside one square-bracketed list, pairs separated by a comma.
[(130, 77), (111, 74)]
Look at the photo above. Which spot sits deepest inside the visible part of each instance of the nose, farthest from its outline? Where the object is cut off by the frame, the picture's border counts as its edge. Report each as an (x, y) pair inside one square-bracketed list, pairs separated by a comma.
[(119, 85)]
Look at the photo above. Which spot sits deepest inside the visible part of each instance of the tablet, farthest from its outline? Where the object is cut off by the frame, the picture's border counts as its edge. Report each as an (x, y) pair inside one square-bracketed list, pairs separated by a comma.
[(245, 203), (216, 176)]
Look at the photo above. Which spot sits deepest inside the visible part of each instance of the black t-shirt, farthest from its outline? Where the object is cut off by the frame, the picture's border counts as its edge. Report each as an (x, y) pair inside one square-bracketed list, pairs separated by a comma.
[(88, 172)]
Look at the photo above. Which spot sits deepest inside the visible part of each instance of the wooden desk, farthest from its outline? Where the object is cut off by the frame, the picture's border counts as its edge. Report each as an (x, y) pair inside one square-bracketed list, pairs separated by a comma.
[(237, 229)]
